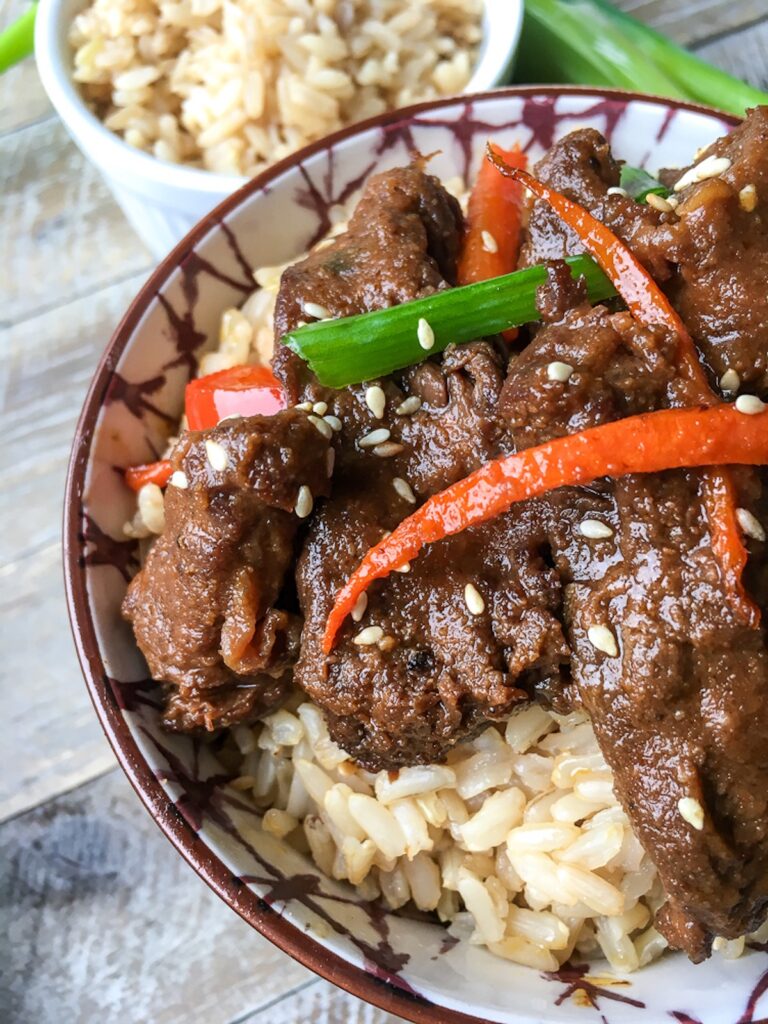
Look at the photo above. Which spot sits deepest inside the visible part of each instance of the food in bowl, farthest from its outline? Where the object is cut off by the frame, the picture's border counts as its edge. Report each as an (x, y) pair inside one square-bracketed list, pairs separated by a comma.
[(521, 608), (233, 87)]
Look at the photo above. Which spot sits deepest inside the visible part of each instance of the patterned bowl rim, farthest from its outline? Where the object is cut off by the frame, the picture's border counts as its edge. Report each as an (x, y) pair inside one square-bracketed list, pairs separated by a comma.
[(300, 945)]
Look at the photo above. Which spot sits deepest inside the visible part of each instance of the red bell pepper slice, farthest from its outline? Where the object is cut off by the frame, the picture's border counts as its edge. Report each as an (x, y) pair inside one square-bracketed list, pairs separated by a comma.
[(648, 304), (647, 443), (239, 391), (151, 473)]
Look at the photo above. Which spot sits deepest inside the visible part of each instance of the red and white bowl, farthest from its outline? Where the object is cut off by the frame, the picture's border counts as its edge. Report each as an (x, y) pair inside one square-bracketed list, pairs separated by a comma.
[(400, 964)]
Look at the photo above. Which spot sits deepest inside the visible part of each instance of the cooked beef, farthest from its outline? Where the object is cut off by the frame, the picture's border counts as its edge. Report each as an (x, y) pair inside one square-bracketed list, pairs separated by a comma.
[(442, 672), (681, 710), (718, 241), (205, 606)]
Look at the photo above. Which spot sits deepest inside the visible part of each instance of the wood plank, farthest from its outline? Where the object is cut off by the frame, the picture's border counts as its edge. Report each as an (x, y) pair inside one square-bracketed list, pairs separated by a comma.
[(22, 97), (109, 924), (49, 737), (692, 21), (61, 230), (744, 54)]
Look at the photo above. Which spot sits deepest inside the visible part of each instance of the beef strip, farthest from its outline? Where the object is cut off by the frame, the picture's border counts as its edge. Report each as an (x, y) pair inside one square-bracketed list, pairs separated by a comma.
[(205, 608), (681, 711), (439, 672), (718, 241)]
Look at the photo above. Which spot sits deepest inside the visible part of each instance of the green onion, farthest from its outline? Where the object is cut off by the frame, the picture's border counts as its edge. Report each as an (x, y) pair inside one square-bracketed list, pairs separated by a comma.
[(357, 348), (639, 183), (17, 41), (589, 42)]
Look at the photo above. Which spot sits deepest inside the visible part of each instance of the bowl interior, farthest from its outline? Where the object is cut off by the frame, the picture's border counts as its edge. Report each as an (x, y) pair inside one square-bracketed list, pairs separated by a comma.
[(400, 963)]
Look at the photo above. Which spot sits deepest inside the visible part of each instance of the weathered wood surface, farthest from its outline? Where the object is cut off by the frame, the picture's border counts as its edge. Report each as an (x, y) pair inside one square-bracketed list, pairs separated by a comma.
[(101, 918)]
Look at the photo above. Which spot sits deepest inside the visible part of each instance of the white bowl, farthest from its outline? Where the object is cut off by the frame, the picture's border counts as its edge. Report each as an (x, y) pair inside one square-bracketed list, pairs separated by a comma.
[(163, 201), (401, 964)]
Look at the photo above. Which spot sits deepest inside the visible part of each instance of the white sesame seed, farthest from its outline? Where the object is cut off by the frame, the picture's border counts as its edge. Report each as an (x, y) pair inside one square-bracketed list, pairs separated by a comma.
[(409, 406), (320, 408), (330, 461), (711, 167), (658, 203), (376, 400), (489, 242), (474, 599), (595, 529), (750, 524), (559, 371), (315, 310), (602, 639), (730, 381), (748, 198), (359, 609), (321, 426), (673, 201), (425, 334), (304, 502), (217, 456), (374, 437), (388, 449), (749, 404), (368, 636), (404, 489), (305, 406), (179, 479), (616, 190), (692, 812), (404, 568), (333, 422)]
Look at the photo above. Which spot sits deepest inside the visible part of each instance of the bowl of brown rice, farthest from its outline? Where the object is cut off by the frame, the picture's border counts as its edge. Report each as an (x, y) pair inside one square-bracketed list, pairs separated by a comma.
[(434, 892), (180, 102)]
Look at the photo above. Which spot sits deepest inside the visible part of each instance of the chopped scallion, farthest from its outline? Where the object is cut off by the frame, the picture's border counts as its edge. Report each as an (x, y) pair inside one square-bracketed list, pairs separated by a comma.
[(639, 183)]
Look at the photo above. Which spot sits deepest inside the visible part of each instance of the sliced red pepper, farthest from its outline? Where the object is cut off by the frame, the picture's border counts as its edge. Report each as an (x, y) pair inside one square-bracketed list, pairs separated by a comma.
[(648, 304), (239, 391), (151, 473), (494, 223), (647, 443)]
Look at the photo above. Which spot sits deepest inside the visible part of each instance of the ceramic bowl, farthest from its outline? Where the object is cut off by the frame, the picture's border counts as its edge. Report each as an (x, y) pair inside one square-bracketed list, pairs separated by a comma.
[(406, 966), (163, 201)]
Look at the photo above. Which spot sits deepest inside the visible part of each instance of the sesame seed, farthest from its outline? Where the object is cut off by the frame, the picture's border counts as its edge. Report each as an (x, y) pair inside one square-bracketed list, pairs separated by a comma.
[(304, 406), (559, 371), (330, 460), (404, 489), (360, 605), (730, 381), (217, 456), (314, 309), (692, 812), (425, 334), (489, 242), (749, 404), (404, 568), (376, 400), (304, 502), (179, 479), (616, 190), (602, 639), (711, 167), (750, 524), (333, 422), (368, 636), (594, 529), (321, 426), (673, 201), (388, 449), (658, 203), (409, 406), (374, 437), (320, 408), (748, 198), (387, 643), (474, 600)]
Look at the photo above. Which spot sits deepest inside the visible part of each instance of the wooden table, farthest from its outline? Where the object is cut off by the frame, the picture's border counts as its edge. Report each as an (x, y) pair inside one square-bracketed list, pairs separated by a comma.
[(79, 940)]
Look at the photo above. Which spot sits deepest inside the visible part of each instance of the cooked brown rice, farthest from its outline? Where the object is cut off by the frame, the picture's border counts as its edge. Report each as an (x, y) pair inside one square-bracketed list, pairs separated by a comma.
[(233, 85)]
